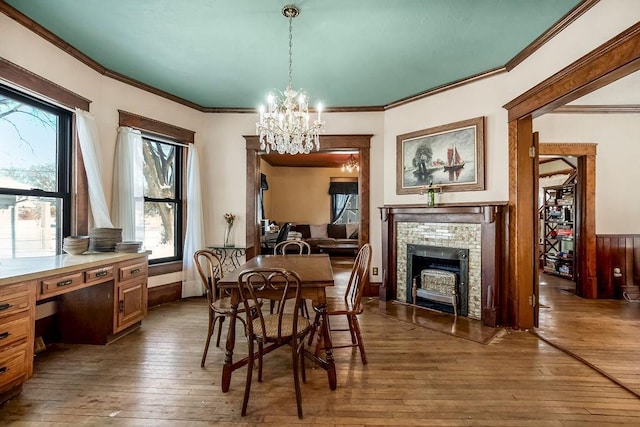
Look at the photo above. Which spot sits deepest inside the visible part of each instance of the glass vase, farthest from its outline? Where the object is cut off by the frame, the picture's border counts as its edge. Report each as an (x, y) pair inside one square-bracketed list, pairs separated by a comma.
[(227, 235)]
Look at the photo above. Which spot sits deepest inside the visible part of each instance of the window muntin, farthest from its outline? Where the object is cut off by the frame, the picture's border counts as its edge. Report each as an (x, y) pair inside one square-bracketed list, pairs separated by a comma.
[(350, 214), (162, 199), (35, 199)]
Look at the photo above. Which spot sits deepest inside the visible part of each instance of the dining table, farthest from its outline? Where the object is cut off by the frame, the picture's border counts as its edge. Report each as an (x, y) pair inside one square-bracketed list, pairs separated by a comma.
[(316, 275)]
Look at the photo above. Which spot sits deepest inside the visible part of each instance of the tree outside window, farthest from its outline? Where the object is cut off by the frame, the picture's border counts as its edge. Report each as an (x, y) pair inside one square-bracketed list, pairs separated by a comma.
[(162, 199), (34, 176)]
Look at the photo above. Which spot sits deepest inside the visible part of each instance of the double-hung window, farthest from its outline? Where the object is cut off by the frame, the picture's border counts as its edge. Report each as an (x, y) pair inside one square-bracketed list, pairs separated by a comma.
[(164, 148), (35, 175), (344, 201), (163, 162)]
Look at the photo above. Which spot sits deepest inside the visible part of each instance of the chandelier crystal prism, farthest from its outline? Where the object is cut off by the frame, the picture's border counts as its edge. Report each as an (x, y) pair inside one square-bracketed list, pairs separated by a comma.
[(284, 125)]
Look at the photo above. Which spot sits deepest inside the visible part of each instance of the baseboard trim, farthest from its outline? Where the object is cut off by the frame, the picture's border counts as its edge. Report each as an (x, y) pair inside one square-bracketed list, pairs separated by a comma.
[(164, 293), (372, 289)]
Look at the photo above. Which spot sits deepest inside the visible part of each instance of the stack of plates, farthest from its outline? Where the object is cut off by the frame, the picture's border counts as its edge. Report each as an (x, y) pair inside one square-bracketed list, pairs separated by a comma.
[(128, 246), (75, 245), (104, 239)]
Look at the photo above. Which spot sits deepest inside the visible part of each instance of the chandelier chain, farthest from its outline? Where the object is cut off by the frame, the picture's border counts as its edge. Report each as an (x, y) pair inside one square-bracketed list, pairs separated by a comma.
[(285, 125), (290, 50)]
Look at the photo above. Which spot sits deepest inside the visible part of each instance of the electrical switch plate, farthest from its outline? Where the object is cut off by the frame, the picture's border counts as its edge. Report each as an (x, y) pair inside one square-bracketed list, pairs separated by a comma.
[(375, 271)]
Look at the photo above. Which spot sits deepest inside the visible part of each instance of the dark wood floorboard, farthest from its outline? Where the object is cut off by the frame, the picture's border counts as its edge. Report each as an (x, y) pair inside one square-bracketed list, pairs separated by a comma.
[(417, 375)]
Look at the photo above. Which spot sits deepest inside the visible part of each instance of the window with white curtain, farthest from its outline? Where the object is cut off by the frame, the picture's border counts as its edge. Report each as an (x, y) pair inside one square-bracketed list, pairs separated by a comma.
[(344, 200), (35, 175), (162, 198), (164, 151)]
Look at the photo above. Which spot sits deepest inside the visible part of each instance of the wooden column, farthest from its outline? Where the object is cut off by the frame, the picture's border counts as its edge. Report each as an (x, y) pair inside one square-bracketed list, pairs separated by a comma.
[(520, 295)]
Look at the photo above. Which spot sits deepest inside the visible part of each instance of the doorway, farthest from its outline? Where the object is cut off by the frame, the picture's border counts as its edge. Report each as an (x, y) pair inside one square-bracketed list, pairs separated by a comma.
[(360, 143), (585, 205), (609, 62)]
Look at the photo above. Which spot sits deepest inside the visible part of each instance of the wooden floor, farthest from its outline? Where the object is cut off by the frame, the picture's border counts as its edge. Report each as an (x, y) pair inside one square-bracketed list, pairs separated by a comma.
[(417, 375), (604, 333)]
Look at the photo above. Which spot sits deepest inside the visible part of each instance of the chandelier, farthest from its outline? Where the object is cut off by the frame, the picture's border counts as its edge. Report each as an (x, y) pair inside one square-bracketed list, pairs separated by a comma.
[(284, 125), (351, 164)]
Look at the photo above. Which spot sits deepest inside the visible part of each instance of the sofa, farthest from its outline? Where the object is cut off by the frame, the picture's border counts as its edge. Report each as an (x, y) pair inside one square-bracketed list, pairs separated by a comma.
[(324, 237)]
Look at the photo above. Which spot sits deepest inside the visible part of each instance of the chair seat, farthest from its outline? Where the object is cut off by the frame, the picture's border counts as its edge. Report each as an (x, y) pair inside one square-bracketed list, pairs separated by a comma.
[(223, 306), (271, 326), (340, 306), (350, 305)]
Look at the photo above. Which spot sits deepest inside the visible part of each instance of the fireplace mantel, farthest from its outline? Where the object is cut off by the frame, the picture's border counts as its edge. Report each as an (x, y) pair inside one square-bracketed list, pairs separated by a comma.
[(492, 217)]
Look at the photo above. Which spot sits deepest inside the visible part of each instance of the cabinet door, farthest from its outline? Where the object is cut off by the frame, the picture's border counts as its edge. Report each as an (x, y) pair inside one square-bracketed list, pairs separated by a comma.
[(131, 304)]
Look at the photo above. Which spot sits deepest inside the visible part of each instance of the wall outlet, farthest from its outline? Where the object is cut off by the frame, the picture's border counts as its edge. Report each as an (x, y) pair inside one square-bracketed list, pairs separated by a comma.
[(374, 271)]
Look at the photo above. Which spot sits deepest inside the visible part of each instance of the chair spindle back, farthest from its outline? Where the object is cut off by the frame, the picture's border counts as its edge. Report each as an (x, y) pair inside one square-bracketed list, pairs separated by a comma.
[(359, 276), (276, 284), (210, 271)]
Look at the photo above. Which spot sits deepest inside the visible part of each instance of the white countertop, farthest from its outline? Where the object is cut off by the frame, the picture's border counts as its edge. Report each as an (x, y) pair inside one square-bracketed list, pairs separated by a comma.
[(13, 270)]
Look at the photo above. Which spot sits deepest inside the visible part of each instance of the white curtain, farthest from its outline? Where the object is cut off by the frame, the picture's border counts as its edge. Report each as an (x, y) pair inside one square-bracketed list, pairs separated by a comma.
[(194, 238), (90, 147), (127, 204)]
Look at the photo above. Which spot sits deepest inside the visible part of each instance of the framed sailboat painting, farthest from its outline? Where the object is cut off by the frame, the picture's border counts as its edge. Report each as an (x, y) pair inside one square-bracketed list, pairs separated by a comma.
[(448, 157)]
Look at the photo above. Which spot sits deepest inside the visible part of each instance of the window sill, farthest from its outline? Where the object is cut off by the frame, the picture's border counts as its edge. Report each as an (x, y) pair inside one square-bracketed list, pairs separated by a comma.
[(165, 268)]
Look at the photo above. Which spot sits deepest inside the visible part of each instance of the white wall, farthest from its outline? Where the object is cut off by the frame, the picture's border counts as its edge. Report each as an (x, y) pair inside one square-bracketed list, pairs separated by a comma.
[(617, 173), (486, 98), (224, 157), (222, 147)]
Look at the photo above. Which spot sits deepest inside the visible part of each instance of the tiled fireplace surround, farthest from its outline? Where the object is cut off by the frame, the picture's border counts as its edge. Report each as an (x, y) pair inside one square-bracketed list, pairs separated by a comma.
[(480, 228), (444, 235)]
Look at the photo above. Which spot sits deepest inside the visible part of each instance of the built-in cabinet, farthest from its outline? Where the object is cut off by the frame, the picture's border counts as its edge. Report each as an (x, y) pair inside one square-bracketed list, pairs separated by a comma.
[(98, 298), (17, 306), (559, 237)]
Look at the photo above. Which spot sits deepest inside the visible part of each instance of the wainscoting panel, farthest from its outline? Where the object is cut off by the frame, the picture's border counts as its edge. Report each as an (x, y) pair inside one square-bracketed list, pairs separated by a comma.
[(618, 263)]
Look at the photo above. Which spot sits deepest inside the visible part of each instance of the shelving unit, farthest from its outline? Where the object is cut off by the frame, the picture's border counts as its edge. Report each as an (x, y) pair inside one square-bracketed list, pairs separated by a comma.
[(558, 216)]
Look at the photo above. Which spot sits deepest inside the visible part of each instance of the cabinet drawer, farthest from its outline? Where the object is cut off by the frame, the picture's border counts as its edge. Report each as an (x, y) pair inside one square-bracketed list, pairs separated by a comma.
[(61, 284), (11, 290), (10, 304), (131, 271), (14, 331), (102, 273), (12, 364)]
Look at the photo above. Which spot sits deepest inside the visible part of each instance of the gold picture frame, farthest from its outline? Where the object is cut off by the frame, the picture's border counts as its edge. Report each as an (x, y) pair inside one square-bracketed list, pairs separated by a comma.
[(450, 157)]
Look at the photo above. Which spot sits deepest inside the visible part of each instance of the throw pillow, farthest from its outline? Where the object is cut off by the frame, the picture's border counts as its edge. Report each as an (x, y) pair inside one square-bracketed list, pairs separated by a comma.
[(352, 230), (336, 231), (318, 231), (302, 229)]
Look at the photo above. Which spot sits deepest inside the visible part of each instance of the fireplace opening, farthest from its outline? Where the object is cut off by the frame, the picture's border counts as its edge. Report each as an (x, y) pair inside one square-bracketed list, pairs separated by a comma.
[(438, 278)]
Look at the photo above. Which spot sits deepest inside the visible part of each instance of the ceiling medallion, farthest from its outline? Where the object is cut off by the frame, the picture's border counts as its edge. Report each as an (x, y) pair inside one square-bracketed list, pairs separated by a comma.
[(284, 125)]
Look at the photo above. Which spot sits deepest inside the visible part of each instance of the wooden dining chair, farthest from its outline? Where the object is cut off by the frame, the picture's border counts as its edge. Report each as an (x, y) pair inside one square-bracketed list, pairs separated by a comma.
[(299, 247), (350, 305), (292, 247), (210, 271), (277, 329)]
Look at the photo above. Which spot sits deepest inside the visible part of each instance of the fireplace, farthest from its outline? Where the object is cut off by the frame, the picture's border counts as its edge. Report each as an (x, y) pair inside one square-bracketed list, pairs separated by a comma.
[(479, 228), (438, 278)]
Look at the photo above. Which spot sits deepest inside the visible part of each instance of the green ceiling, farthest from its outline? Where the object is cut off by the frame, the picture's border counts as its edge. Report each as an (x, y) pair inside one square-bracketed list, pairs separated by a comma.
[(231, 53)]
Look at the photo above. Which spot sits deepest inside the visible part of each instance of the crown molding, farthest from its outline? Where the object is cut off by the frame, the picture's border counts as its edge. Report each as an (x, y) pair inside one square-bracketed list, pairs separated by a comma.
[(598, 109), (30, 24), (555, 29)]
